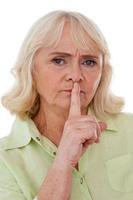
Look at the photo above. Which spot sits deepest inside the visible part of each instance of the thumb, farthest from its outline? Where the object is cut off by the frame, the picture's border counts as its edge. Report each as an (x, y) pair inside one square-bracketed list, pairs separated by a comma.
[(102, 125)]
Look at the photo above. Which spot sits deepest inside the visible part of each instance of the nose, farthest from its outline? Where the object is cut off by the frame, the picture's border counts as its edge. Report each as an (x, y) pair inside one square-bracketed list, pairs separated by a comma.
[(75, 74)]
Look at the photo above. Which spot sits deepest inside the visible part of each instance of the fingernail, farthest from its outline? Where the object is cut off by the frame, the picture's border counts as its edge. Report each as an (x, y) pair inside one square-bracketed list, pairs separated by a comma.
[(77, 86)]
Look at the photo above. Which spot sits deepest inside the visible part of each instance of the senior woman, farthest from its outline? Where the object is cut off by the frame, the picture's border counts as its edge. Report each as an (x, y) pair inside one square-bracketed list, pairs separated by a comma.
[(70, 139)]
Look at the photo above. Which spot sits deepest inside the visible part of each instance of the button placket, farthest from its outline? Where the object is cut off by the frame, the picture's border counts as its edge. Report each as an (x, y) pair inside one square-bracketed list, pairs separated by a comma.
[(81, 180), (83, 184), (54, 153), (38, 138)]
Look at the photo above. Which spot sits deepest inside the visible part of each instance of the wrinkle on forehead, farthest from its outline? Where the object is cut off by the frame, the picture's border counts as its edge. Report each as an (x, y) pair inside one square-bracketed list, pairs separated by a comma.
[(68, 46), (77, 53)]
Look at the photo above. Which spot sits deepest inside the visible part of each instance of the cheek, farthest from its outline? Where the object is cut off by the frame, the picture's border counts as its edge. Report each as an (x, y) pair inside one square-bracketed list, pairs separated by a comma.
[(47, 83), (93, 82)]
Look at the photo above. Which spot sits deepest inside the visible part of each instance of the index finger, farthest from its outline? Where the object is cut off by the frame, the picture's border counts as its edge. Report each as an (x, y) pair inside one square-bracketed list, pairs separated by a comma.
[(75, 101)]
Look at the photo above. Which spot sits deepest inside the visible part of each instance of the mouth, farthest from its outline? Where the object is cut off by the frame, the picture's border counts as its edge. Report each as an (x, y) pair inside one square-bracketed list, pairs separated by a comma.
[(70, 90), (67, 90)]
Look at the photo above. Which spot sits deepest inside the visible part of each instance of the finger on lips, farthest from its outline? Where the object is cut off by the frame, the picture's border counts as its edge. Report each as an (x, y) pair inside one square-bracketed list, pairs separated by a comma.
[(75, 101), (75, 110)]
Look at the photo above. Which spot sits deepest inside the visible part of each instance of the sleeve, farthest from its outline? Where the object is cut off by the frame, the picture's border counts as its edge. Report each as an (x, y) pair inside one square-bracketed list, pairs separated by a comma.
[(9, 189)]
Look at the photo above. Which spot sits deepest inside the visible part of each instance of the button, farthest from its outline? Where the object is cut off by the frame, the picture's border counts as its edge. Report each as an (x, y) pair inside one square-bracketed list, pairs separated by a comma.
[(81, 180), (38, 138), (54, 153)]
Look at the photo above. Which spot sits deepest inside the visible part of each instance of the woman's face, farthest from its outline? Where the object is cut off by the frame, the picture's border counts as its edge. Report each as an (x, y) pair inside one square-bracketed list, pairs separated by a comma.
[(58, 68)]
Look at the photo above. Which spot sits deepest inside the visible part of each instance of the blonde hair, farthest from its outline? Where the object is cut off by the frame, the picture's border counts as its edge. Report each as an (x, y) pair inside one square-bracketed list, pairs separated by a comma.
[(23, 98)]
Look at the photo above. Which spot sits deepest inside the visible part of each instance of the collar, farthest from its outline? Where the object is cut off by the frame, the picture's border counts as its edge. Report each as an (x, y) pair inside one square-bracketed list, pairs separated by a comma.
[(19, 135), (23, 131)]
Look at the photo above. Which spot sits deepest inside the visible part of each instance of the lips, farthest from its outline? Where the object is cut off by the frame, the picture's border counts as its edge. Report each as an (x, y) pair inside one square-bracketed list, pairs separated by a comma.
[(70, 90)]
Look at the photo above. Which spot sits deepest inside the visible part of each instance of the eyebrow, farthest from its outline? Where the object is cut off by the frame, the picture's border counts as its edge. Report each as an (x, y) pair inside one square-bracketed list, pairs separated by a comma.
[(69, 55)]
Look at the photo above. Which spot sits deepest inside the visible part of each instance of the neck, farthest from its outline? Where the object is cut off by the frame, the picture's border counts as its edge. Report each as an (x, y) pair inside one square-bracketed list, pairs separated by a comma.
[(50, 122)]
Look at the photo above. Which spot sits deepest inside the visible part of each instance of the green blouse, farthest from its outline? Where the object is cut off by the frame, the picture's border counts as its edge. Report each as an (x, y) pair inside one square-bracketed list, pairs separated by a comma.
[(105, 169)]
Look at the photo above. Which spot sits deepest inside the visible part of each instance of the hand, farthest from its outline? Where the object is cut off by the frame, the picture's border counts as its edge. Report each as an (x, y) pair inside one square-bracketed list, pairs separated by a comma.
[(79, 132)]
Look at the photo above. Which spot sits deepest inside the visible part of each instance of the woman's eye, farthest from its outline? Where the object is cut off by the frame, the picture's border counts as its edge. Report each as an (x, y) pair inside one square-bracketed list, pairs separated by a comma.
[(61, 61), (58, 61), (89, 62)]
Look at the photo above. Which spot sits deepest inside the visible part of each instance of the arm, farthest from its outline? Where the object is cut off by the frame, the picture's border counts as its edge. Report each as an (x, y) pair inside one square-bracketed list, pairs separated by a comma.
[(57, 184)]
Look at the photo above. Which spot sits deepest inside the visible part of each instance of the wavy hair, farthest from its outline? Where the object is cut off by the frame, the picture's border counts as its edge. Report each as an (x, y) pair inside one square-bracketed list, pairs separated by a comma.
[(23, 99)]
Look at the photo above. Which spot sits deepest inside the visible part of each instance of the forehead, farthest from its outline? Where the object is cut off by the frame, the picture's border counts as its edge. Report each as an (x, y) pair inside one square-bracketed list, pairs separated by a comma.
[(68, 44)]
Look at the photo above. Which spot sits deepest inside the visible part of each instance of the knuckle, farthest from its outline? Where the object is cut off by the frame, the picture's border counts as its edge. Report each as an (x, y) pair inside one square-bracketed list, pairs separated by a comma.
[(69, 122), (94, 133)]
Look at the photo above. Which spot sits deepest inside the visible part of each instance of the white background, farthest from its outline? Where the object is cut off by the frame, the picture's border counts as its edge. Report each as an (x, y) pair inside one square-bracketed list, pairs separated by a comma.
[(114, 17)]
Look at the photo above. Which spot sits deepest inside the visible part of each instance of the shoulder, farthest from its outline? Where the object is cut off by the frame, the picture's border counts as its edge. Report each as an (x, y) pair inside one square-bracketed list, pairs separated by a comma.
[(19, 136), (123, 122), (124, 118)]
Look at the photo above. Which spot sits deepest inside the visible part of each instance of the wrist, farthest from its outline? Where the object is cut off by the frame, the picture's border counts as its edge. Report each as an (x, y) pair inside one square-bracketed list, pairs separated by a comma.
[(62, 165)]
